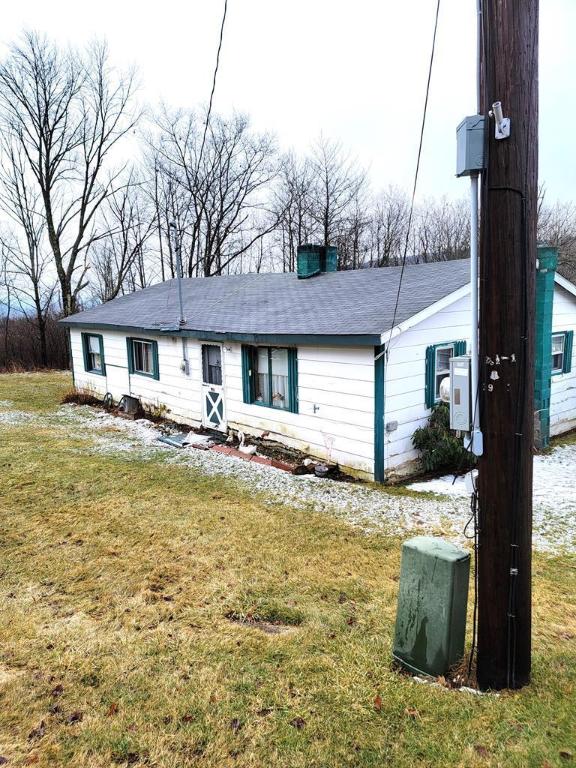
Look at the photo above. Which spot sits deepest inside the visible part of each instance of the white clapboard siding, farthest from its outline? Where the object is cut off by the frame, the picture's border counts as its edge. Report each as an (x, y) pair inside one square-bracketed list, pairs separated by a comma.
[(82, 379), (405, 377), (339, 381), (405, 381), (335, 391), (563, 396), (177, 391), (117, 378)]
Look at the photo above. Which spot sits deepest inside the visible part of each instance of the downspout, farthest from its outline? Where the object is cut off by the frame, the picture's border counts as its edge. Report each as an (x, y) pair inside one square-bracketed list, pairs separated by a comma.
[(181, 320), (475, 442)]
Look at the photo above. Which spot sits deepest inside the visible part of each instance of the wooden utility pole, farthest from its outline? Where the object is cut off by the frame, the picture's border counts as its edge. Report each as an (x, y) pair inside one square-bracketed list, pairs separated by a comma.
[(507, 280)]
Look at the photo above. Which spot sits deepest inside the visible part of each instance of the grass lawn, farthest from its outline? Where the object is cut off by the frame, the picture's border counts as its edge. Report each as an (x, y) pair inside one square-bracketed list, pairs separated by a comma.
[(117, 580)]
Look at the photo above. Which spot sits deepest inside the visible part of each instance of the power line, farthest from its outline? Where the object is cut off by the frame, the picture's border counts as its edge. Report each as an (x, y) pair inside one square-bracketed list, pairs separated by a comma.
[(417, 170), (215, 76), (214, 79)]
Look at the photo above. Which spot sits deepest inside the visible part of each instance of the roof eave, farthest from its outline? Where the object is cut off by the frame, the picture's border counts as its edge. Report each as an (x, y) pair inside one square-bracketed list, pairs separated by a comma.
[(288, 339), (565, 283)]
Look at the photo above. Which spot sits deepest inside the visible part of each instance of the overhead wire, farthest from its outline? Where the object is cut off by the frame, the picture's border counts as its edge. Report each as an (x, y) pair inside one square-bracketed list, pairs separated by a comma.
[(416, 174), (211, 99), (214, 78), (206, 125)]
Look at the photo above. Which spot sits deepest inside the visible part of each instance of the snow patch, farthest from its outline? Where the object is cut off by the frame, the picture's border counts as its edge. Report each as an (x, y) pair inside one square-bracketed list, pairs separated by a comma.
[(15, 418), (554, 497)]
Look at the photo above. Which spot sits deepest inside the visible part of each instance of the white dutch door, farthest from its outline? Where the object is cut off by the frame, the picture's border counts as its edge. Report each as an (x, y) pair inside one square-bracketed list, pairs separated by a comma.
[(213, 411)]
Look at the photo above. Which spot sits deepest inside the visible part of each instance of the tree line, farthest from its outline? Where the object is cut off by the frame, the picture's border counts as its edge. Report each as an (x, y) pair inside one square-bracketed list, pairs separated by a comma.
[(81, 224)]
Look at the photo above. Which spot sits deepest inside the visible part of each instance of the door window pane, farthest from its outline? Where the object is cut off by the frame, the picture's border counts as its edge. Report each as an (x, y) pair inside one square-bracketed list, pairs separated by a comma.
[(212, 364)]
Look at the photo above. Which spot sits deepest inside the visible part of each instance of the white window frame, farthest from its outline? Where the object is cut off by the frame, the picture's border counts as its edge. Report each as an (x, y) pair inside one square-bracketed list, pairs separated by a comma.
[(445, 372), (142, 371), (556, 371)]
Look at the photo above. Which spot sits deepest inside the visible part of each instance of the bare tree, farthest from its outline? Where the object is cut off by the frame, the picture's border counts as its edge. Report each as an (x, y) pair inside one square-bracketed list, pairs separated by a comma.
[(5, 304), (557, 226), (353, 241), (388, 227), (66, 112), (441, 231), (336, 186), (225, 185), (119, 259), (26, 257), (292, 202)]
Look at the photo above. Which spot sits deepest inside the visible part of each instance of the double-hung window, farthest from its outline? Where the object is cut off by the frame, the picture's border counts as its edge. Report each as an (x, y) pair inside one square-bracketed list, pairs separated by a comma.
[(438, 367), (562, 343), (93, 349), (270, 377), (143, 357)]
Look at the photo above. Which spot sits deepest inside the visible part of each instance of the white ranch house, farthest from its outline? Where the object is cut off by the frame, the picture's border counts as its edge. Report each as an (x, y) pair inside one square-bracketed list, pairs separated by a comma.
[(303, 359)]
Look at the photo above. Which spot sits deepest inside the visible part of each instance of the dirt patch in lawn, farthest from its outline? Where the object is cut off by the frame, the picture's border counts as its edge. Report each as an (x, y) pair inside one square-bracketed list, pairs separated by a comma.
[(253, 622)]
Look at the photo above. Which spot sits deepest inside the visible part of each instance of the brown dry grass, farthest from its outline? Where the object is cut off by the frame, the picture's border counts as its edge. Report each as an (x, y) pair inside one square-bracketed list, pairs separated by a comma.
[(118, 578)]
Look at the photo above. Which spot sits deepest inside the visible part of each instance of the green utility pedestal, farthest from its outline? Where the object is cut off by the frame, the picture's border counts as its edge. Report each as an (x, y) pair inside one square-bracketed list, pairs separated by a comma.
[(431, 618)]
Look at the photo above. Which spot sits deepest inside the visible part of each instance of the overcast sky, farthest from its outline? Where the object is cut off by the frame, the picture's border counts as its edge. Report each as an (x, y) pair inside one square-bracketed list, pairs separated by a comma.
[(355, 71)]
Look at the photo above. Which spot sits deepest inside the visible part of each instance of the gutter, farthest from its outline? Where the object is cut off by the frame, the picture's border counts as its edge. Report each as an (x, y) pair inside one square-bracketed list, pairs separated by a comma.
[(290, 339)]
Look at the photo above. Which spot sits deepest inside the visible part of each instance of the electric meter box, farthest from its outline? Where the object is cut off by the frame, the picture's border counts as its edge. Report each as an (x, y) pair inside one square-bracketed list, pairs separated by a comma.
[(431, 617), (460, 394), (470, 146)]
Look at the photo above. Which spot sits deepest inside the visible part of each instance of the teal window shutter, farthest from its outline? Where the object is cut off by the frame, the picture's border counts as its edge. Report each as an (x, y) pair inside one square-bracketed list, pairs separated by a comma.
[(247, 374), (130, 356), (85, 351), (102, 361), (459, 348), (156, 366), (293, 380), (430, 372), (568, 347)]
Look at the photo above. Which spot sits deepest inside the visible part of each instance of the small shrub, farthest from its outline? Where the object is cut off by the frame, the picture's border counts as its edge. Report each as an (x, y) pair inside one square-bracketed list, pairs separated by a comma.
[(81, 396), (439, 447)]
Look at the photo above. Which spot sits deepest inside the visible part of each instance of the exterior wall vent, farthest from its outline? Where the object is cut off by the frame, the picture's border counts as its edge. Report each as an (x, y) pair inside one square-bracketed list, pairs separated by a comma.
[(314, 259)]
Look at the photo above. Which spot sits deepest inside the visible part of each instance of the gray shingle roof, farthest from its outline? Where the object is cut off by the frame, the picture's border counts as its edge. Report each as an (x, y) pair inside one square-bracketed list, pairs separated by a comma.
[(349, 303)]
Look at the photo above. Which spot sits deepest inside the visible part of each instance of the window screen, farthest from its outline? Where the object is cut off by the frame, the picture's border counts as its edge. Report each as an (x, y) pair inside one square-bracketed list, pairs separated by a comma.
[(212, 364)]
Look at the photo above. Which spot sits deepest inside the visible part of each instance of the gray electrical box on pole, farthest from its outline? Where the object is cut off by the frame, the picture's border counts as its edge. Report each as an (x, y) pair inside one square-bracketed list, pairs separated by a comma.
[(460, 394), (470, 143)]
